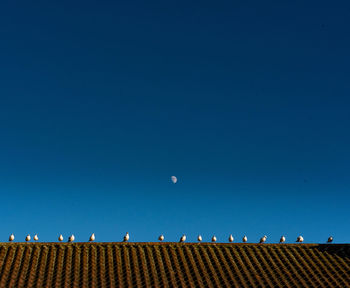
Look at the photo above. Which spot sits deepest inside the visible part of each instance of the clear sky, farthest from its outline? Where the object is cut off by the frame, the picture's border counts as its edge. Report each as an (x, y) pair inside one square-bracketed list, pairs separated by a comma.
[(246, 102)]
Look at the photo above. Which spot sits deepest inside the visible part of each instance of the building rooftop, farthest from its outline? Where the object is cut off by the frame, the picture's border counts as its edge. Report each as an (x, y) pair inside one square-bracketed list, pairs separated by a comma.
[(174, 265)]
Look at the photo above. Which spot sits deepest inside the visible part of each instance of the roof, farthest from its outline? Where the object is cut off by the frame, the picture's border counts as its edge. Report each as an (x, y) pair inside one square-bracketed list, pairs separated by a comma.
[(174, 265)]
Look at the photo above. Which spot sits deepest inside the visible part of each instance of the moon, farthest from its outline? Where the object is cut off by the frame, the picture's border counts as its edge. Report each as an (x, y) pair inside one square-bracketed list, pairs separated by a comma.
[(174, 179)]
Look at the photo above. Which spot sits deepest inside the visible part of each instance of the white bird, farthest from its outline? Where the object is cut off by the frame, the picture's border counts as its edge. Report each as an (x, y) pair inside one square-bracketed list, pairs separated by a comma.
[(36, 238), (230, 239), (161, 238), (330, 239), (92, 237), (174, 179), (126, 237), (199, 238), (282, 239), (245, 239), (12, 237), (263, 239), (300, 239), (213, 239), (60, 238), (183, 238), (71, 238), (28, 238)]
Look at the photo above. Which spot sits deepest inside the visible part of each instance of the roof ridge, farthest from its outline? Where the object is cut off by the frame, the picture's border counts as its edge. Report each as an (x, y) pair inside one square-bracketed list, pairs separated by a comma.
[(174, 243)]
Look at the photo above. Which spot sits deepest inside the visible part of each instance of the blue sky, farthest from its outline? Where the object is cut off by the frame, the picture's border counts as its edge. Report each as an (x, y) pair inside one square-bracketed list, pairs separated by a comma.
[(247, 103)]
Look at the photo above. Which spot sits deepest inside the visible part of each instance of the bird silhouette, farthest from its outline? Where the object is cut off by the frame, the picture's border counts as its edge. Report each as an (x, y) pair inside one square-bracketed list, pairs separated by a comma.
[(60, 238), (36, 238), (126, 237), (12, 237), (230, 239), (330, 239), (71, 238), (263, 239), (199, 238), (245, 239), (92, 237), (213, 239), (282, 239), (183, 238), (300, 239), (28, 238), (161, 238)]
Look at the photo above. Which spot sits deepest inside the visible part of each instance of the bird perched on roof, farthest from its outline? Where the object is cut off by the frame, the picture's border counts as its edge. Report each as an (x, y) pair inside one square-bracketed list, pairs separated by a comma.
[(300, 239), (126, 237), (245, 239), (71, 238), (263, 239), (92, 237), (36, 238), (28, 238), (230, 239), (183, 238), (283, 239), (199, 238), (60, 238), (330, 239), (12, 237), (213, 239), (161, 238)]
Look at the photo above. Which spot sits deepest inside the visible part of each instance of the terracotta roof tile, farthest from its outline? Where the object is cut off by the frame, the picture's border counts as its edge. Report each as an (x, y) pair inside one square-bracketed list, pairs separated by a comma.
[(173, 265)]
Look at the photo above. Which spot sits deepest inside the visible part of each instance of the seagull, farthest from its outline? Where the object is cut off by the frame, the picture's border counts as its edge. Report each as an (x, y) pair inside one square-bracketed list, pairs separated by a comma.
[(283, 239), (126, 237), (213, 239), (300, 239), (71, 238), (60, 238), (245, 239), (12, 237), (92, 237), (230, 239), (36, 238), (199, 238), (263, 239), (183, 238), (330, 239), (28, 238), (161, 238)]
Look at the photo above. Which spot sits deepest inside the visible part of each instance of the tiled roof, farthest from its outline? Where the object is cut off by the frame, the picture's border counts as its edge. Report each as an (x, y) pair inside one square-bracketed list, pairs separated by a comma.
[(173, 265)]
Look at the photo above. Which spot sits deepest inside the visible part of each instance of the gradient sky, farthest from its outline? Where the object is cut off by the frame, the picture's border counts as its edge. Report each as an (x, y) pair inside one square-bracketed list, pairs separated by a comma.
[(246, 102)]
